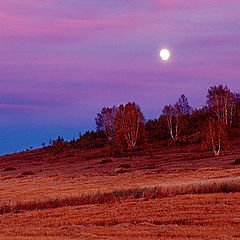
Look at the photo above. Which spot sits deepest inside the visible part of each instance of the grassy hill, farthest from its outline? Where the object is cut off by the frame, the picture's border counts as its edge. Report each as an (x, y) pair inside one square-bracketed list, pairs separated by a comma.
[(176, 192)]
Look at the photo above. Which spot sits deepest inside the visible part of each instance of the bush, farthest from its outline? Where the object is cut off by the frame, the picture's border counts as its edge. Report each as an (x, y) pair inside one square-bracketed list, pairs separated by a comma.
[(115, 150)]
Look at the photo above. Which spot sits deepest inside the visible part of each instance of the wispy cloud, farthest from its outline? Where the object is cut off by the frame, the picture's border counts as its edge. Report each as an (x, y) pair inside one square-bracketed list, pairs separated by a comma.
[(17, 107)]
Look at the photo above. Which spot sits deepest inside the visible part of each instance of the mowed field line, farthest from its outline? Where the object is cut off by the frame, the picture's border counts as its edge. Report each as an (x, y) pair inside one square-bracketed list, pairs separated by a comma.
[(196, 216), (40, 188)]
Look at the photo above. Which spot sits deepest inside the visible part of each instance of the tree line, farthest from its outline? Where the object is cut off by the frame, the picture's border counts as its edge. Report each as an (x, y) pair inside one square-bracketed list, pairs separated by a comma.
[(211, 125), (124, 127)]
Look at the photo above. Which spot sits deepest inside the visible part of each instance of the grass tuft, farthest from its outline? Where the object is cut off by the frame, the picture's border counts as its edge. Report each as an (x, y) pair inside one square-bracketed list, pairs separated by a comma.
[(117, 195)]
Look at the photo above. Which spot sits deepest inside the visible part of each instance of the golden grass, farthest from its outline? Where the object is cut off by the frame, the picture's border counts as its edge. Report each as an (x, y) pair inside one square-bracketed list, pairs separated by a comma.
[(146, 193), (65, 185), (205, 216), (157, 199)]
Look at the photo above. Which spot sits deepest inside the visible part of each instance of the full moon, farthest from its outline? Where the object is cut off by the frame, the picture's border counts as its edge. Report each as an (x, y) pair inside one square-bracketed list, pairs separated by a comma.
[(165, 54)]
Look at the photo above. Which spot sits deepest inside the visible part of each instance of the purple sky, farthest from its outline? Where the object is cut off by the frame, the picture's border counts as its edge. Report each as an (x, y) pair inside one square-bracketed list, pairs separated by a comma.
[(61, 61)]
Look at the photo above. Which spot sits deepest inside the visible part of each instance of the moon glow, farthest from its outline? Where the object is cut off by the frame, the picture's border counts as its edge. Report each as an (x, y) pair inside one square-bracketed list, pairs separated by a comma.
[(164, 54)]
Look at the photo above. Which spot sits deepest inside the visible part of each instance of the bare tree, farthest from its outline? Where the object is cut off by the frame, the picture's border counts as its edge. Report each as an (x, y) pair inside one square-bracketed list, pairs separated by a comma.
[(183, 105), (105, 122), (174, 115)]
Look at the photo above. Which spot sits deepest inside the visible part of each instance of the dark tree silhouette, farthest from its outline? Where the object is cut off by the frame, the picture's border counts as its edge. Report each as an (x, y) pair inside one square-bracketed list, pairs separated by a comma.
[(105, 122)]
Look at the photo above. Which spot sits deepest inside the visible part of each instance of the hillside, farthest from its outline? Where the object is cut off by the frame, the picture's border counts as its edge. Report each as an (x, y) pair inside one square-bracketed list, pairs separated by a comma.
[(39, 177)]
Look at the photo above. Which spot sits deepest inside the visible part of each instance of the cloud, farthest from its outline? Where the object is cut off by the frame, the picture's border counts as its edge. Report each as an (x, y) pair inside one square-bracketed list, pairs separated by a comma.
[(176, 5), (30, 20), (13, 112), (191, 5), (17, 107), (54, 22)]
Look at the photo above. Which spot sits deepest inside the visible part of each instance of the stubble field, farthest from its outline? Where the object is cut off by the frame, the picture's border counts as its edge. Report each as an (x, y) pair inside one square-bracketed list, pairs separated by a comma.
[(177, 213)]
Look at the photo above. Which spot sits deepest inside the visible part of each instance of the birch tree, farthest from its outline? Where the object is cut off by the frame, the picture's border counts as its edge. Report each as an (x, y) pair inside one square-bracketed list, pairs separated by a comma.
[(221, 102), (129, 120), (216, 136), (174, 115), (105, 122), (172, 120)]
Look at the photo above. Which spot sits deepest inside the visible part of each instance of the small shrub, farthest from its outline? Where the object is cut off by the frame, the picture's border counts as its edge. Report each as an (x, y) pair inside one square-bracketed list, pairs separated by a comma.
[(27, 173), (106, 161), (236, 162), (117, 150), (9, 169), (121, 170), (159, 170), (124, 165)]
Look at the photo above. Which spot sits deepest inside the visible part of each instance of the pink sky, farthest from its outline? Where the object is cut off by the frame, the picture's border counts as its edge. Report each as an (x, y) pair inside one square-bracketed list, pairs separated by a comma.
[(61, 61)]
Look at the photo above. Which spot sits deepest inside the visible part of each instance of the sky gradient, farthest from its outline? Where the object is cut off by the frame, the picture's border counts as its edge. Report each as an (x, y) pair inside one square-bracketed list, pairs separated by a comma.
[(61, 61)]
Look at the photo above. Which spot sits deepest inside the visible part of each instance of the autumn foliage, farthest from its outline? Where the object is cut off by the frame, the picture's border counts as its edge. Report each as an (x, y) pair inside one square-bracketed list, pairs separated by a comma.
[(123, 127), (129, 124), (215, 136)]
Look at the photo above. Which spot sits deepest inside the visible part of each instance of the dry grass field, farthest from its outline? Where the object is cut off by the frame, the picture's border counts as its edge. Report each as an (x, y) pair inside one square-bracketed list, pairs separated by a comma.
[(199, 197)]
